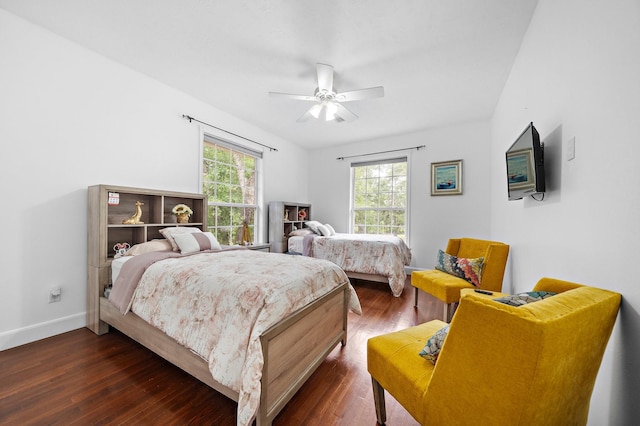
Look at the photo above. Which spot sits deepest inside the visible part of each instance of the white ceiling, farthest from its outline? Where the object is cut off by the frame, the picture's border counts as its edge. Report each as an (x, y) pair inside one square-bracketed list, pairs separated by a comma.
[(440, 61)]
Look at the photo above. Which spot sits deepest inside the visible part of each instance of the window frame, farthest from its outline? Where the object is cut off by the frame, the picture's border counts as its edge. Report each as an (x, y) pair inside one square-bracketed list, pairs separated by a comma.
[(352, 184), (259, 221)]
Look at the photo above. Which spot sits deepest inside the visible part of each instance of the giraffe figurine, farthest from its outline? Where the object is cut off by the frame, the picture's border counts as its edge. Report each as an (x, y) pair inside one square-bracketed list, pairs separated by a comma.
[(136, 216)]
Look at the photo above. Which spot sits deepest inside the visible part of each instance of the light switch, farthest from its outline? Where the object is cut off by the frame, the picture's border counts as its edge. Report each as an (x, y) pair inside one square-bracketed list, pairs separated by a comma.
[(571, 149)]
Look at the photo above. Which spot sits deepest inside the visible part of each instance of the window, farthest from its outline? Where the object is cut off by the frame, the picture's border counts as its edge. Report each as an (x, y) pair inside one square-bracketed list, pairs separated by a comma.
[(379, 191), (229, 181)]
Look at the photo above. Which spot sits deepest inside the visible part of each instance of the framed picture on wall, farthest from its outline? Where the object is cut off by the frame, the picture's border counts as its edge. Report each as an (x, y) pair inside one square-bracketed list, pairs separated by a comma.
[(446, 178)]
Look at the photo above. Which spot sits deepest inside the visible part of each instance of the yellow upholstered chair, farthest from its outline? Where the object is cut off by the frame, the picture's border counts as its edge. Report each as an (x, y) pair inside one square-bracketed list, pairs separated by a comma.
[(446, 287), (531, 365)]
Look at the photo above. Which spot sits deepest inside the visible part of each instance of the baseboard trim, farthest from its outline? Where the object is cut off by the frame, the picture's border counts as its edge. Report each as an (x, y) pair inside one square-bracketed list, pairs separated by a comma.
[(22, 336)]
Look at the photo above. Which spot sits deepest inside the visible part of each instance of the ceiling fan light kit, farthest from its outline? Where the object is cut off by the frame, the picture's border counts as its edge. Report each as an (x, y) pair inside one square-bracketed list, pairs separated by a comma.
[(328, 101)]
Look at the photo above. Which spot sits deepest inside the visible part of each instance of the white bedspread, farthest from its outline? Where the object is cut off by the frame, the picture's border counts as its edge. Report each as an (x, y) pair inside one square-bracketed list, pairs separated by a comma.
[(384, 255), (218, 305)]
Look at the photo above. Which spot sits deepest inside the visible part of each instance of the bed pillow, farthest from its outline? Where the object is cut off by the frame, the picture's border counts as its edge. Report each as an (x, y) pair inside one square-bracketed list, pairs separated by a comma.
[(467, 269), (196, 241), (170, 233), (149, 246), (330, 228), (324, 231), (521, 299), (432, 348), (313, 225), (300, 232)]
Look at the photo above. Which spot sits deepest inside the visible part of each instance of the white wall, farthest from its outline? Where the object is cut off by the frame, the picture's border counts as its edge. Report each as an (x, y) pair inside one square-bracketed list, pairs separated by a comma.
[(70, 119), (578, 75), (433, 219)]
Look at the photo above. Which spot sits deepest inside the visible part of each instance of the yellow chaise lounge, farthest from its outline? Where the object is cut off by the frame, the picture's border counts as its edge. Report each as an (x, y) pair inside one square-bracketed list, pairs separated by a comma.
[(534, 364)]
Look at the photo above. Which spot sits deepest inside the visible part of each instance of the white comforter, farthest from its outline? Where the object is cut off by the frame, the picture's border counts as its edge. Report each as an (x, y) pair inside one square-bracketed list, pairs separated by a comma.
[(218, 305), (384, 255)]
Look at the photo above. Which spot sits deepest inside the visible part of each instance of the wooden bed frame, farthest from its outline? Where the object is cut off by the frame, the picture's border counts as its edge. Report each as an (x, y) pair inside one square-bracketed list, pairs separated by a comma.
[(293, 348), (368, 277)]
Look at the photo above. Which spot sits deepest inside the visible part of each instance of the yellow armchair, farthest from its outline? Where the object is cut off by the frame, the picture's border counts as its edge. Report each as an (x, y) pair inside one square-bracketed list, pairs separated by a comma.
[(446, 287), (500, 365)]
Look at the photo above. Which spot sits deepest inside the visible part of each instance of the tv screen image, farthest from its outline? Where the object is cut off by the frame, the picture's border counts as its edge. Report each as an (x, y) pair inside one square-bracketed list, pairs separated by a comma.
[(520, 169), (525, 165)]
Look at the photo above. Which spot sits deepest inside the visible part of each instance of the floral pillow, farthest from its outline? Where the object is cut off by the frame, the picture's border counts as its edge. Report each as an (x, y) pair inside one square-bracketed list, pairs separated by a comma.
[(467, 269), (521, 299), (432, 349)]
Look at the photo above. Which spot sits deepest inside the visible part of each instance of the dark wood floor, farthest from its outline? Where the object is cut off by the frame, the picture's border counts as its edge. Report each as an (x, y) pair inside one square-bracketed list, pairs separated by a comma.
[(78, 378)]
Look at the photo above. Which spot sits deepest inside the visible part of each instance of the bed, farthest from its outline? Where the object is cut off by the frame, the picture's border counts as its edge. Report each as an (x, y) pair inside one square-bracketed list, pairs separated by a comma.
[(263, 340), (379, 258)]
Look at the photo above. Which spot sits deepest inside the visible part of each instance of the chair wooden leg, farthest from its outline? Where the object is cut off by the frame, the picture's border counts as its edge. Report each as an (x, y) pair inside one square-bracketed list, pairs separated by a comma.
[(378, 399), (449, 309), (415, 298)]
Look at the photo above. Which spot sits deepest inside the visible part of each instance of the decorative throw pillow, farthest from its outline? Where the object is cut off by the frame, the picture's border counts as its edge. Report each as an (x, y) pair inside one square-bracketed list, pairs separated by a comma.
[(431, 350), (149, 246), (169, 233), (521, 299), (300, 232), (196, 241), (330, 228), (313, 225), (467, 269)]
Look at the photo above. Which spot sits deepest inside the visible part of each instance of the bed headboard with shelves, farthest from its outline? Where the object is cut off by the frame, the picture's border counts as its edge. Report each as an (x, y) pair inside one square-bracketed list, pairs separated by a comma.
[(108, 207)]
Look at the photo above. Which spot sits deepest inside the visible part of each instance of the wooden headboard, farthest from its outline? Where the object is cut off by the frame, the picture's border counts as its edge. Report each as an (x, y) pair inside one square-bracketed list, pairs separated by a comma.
[(108, 207)]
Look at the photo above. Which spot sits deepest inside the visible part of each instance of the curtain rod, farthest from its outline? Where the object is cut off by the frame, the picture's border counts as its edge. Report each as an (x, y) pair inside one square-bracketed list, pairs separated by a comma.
[(188, 117), (383, 152)]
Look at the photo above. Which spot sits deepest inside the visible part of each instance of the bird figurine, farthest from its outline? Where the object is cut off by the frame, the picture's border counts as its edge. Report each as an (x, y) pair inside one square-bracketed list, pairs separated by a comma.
[(135, 218)]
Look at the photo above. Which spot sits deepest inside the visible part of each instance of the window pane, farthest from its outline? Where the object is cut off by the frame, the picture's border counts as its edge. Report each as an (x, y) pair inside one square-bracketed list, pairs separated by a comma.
[(372, 199), (360, 201), (386, 184), (385, 170), (373, 171), (222, 194), (400, 169), (372, 185), (209, 152), (386, 199), (223, 235), (400, 200), (236, 194)]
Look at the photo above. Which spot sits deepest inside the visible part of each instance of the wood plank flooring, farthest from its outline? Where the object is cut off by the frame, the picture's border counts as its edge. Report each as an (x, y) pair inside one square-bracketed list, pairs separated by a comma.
[(78, 378)]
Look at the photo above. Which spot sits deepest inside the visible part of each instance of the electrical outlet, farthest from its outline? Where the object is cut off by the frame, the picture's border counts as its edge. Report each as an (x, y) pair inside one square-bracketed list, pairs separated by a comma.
[(55, 294)]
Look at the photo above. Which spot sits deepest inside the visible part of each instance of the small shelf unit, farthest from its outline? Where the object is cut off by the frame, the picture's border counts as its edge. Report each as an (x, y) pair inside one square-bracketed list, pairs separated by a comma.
[(284, 218)]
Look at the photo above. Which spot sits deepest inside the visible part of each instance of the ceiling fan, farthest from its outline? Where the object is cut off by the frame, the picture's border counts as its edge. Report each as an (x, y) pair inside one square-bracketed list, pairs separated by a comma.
[(328, 103)]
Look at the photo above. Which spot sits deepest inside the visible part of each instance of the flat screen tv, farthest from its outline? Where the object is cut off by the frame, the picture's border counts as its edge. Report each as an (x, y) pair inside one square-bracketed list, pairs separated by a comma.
[(525, 165)]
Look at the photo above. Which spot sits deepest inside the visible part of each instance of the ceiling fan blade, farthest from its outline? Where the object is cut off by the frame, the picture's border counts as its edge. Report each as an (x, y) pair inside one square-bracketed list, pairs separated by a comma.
[(344, 114), (312, 112), (325, 77), (357, 95), (292, 96)]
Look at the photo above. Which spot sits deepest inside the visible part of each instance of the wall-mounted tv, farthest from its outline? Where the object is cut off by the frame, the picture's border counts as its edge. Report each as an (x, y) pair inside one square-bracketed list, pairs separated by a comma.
[(525, 165)]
